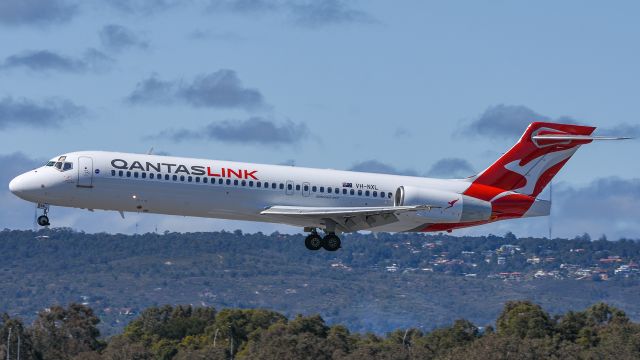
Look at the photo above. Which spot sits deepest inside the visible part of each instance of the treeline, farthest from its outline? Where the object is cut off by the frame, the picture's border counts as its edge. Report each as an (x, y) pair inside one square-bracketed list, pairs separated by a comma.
[(523, 330)]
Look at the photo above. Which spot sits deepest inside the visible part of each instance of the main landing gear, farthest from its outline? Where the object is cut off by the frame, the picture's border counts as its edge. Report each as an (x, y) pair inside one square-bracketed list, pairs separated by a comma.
[(43, 220), (330, 242)]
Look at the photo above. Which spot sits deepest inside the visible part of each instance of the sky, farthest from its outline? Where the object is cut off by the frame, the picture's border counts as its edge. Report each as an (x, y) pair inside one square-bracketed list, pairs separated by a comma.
[(424, 88)]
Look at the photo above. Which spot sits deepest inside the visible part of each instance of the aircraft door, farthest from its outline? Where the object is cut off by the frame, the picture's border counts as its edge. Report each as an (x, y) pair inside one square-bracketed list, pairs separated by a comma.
[(305, 189), (85, 171), (289, 188)]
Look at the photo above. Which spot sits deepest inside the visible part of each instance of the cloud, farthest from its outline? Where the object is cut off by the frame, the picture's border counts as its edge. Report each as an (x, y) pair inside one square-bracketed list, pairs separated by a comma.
[(45, 60), (401, 132), (451, 168), (510, 121), (375, 166), (213, 35), (632, 130), (316, 13), (245, 6), (143, 7), (607, 205), (36, 12), (309, 13), (48, 113), (503, 121), (220, 89), (256, 130), (118, 38), (15, 213)]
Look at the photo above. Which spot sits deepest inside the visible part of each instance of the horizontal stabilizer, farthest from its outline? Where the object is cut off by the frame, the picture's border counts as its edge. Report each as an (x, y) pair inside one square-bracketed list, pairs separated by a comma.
[(578, 137)]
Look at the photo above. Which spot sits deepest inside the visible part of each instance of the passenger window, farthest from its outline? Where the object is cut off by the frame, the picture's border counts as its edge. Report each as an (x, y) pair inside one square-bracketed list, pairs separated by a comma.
[(113, 173), (289, 186), (159, 176), (128, 173), (359, 192), (282, 186), (259, 184), (314, 189), (375, 194), (235, 182), (344, 191), (205, 180), (389, 195), (366, 193), (329, 189), (352, 192), (250, 183), (221, 180), (151, 175), (181, 177), (197, 179), (273, 185), (120, 173), (144, 175), (306, 188), (297, 187), (189, 179), (228, 181), (321, 189), (166, 177), (135, 174), (175, 177)]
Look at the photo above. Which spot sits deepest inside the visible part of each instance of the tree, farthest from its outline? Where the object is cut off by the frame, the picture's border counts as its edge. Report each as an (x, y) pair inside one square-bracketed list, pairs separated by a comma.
[(524, 320), (61, 333)]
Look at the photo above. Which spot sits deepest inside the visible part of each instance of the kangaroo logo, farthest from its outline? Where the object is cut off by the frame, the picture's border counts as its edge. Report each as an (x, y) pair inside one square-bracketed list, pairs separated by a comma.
[(451, 203)]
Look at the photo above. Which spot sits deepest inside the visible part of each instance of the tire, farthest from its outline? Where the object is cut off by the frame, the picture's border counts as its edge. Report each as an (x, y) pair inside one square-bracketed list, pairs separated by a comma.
[(313, 242), (43, 220), (331, 242)]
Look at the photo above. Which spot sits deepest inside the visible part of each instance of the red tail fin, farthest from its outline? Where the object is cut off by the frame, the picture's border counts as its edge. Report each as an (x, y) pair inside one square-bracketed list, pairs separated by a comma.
[(533, 161)]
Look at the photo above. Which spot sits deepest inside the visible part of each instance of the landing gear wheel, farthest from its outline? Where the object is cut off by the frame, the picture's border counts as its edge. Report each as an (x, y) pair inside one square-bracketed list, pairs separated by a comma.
[(43, 220), (313, 241), (331, 242)]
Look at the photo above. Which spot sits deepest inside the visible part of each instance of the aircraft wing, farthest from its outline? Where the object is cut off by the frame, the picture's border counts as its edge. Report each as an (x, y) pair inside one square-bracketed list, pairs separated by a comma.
[(346, 219)]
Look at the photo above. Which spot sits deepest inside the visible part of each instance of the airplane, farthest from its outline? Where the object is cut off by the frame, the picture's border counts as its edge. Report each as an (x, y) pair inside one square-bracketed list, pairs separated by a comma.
[(330, 201)]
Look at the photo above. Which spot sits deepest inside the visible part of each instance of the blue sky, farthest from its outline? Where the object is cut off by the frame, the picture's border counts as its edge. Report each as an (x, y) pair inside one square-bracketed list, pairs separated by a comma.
[(420, 87)]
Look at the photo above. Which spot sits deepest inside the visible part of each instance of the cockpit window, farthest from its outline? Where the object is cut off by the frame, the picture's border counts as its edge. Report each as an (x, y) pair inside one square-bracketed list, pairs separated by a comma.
[(61, 165)]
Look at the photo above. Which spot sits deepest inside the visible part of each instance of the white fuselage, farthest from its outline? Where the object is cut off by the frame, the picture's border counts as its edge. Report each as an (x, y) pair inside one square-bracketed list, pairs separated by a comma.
[(212, 188)]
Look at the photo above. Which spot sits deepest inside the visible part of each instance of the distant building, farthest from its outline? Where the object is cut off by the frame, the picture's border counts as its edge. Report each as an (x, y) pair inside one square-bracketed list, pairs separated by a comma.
[(534, 260), (611, 259)]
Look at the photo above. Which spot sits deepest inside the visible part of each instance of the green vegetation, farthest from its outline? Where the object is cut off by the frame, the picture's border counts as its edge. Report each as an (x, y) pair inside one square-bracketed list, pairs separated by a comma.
[(523, 331), (436, 278)]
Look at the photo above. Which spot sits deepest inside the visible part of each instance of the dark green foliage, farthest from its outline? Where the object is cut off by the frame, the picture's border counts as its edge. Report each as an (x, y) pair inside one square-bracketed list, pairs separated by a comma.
[(524, 320), (524, 331)]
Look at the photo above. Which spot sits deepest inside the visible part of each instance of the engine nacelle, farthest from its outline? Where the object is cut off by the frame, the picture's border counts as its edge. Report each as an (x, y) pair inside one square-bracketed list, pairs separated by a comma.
[(450, 207)]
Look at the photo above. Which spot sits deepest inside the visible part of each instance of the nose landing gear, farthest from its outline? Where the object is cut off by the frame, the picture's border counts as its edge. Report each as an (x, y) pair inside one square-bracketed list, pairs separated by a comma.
[(43, 220)]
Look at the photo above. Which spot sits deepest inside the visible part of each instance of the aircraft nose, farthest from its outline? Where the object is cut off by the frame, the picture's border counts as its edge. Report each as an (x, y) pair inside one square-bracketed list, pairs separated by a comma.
[(25, 186), (16, 185)]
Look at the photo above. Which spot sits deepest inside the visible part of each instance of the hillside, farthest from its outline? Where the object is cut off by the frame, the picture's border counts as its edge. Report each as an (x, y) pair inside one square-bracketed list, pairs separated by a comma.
[(375, 283)]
